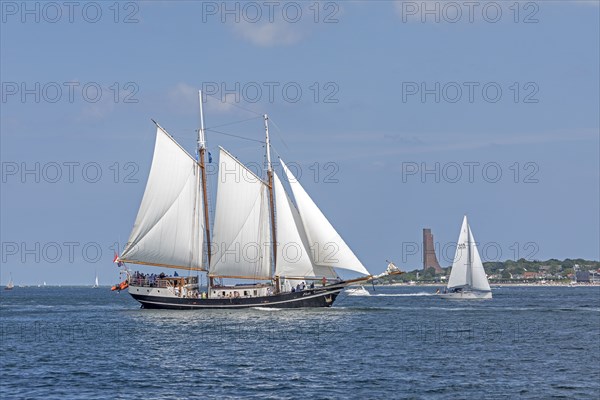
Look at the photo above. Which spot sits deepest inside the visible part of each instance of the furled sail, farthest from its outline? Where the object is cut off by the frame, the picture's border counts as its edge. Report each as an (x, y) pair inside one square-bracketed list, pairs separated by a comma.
[(241, 235), (467, 268), (328, 249), (168, 226), (293, 258)]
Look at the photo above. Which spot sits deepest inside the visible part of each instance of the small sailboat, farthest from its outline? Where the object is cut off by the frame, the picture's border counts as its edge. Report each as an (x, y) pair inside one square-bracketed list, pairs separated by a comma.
[(468, 280), (358, 291), (96, 285), (10, 285)]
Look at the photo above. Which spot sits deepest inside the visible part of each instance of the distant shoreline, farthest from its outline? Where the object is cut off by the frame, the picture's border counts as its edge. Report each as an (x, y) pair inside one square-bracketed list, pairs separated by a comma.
[(500, 284)]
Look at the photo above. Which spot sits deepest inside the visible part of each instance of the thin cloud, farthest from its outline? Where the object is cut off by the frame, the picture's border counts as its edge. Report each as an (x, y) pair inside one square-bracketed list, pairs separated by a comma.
[(269, 34)]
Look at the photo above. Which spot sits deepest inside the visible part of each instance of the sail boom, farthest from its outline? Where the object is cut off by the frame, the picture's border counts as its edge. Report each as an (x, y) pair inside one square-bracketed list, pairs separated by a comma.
[(162, 265), (261, 278)]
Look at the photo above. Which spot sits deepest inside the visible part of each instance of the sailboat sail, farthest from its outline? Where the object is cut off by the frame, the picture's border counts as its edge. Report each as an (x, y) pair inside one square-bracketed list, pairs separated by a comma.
[(467, 268), (241, 236), (479, 279), (328, 249), (10, 284), (168, 224), (459, 275), (293, 258)]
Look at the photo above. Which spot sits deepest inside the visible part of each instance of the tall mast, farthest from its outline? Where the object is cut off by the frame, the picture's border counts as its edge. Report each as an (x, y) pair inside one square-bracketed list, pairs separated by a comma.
[(469, 260), (201, 151), (271, 203)]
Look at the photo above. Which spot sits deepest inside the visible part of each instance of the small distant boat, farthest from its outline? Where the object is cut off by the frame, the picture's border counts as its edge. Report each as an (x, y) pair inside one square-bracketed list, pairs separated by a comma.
[(359, 291), (96, 285), (468, 280), (10, 285)]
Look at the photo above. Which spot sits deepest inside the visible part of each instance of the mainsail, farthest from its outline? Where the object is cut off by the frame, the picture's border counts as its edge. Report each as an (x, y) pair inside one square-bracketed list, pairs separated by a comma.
[(328, 249), (241, 237), (168, 226), (293, 257), (467, 268)]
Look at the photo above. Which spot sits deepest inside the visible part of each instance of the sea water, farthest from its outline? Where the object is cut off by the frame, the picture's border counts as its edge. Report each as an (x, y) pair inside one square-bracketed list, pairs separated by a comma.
[(400, 342)]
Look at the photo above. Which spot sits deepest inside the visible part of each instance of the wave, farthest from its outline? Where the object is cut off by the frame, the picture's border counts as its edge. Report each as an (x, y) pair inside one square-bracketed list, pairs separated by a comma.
[(267, 308), (404, 294)]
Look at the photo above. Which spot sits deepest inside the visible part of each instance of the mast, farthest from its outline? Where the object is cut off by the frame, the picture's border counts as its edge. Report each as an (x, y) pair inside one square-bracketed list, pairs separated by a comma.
[(201, 151), (271, 203), (469, 258)]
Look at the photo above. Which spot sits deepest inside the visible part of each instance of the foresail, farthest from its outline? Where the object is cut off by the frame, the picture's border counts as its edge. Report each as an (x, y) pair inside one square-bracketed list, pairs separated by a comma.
[(168, 226), (293, 258), (458, 274), (328, 249), (479, 279), (241, 236)]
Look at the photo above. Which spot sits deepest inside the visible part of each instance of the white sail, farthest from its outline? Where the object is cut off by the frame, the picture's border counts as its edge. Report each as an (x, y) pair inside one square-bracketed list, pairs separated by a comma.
[(467, 268), (10, 284), (241, 234), (293, 258), (167, 229), (328, 249), (459, 272), (479, 279)]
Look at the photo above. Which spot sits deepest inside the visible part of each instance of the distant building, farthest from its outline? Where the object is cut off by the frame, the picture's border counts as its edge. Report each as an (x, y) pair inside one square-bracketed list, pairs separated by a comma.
[(582, 276), (429, 258), (530, 275)]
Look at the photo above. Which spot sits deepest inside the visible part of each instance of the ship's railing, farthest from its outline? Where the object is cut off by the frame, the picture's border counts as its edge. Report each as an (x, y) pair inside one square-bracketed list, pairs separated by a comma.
[(149, 282), (158, 282)]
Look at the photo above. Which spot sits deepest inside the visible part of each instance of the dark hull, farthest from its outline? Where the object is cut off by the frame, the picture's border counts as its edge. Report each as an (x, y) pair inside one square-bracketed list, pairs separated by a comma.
[(321, 297)]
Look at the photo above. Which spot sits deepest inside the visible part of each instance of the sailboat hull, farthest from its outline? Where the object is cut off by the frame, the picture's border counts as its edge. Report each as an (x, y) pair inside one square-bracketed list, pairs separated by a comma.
[(310, 298), (467, 295)]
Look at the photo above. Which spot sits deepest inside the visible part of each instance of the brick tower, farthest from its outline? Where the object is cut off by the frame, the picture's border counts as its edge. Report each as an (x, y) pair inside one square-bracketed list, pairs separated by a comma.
[(429, 258)]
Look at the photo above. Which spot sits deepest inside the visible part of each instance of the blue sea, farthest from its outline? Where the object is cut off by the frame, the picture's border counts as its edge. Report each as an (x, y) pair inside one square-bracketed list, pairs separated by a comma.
[(400, 342)]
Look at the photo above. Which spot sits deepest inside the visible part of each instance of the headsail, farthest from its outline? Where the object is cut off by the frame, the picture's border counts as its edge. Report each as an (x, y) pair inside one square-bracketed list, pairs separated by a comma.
[(168, 226), (328, 247), (241, 236), (293, 257)]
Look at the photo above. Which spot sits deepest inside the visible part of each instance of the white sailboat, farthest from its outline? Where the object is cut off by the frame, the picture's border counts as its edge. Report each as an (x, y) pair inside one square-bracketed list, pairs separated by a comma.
[(468, 280), (10, 285), (277, 251), (358, 291), (96, 285)]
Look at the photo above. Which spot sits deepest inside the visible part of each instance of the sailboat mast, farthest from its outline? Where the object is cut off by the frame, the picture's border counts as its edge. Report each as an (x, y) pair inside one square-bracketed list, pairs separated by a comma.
[(271, 202), (201, 151), (469, 258)]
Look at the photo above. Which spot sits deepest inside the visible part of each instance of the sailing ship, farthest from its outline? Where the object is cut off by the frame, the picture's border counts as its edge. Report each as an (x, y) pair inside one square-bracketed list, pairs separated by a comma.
[(96, 285), (468, 280), (286, 250), (10, 285)]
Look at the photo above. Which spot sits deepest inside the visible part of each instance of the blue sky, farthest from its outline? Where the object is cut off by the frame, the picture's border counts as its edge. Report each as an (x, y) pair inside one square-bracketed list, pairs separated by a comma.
[(361, 120)]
